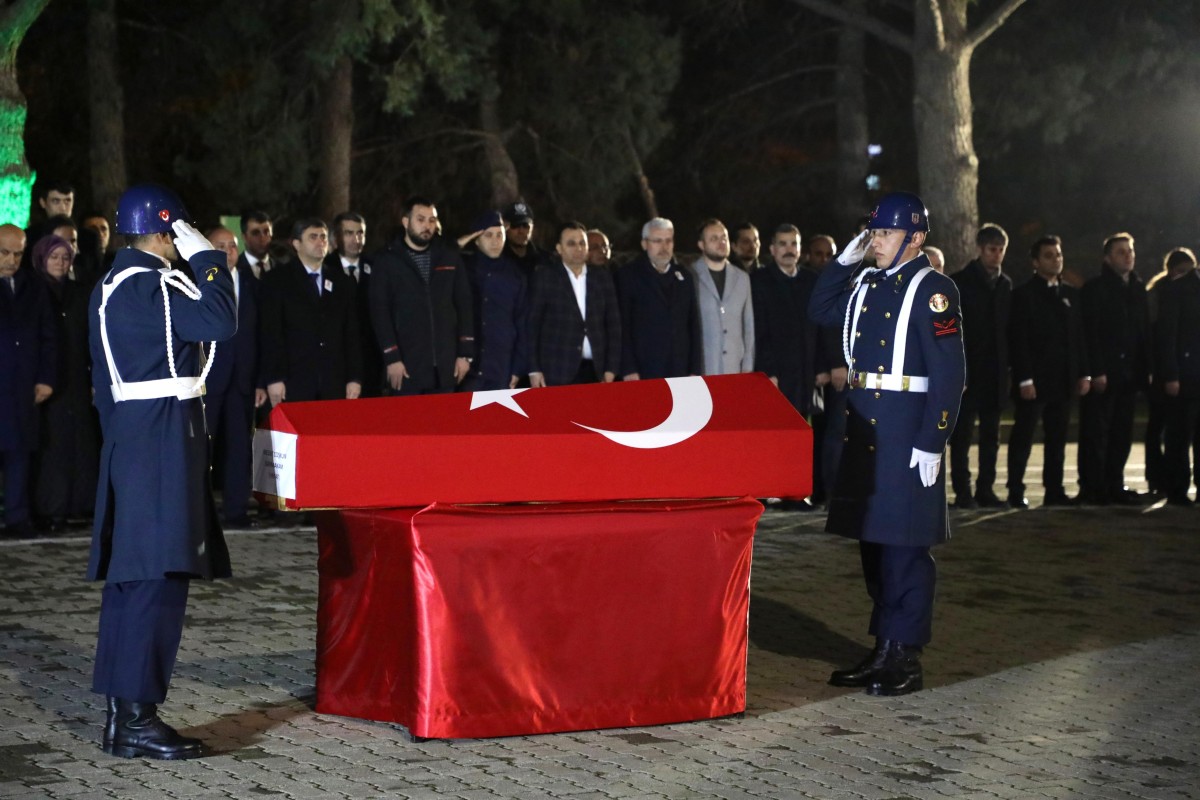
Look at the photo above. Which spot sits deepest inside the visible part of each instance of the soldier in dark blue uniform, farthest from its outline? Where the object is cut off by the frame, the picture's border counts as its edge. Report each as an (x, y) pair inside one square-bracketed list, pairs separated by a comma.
[(155, 525), (902, 337)]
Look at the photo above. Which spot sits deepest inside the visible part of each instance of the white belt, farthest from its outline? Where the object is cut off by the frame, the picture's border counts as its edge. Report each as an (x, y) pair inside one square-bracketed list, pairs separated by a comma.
[(179, 388), (889, 382)]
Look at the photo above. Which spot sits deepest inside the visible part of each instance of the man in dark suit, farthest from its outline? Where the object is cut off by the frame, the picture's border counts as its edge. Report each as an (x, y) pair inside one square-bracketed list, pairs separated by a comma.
[(27, 366), (986, 294), (660, 322), (1048, 368), (421, 312), (574, 322), (350, 238), (1177, 368), (232, 390), (786, 337), (257, 233), (309, 324), (1116, 323)]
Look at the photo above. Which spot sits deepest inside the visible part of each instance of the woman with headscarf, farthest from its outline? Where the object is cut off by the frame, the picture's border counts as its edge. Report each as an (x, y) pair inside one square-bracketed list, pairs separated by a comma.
[(68, 451)]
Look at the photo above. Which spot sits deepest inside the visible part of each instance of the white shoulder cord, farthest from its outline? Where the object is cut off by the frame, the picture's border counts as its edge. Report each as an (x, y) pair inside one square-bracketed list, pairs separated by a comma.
[(180, 280), (857, 294)]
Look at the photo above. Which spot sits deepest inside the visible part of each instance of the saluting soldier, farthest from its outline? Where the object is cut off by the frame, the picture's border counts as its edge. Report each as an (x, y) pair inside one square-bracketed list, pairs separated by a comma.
[(901, 332), (155, 525)]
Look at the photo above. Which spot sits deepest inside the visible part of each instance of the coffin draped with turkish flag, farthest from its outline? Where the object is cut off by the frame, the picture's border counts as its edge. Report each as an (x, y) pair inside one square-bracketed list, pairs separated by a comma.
[(721, 436), (516, 562)]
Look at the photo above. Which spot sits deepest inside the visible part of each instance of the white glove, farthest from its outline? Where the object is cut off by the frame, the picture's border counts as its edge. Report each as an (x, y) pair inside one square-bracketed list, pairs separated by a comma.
[(856, 250), (188, 240), (928, 465)]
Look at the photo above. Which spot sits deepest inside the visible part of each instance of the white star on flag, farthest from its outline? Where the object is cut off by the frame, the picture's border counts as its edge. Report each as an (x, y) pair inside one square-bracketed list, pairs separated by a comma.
[(503, 397)]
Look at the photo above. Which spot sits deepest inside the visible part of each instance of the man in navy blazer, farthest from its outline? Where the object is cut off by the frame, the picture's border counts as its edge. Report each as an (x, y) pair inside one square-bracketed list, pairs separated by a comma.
[(660, 321), (232, 393), (309, 325), (27, 365), (574, 322)]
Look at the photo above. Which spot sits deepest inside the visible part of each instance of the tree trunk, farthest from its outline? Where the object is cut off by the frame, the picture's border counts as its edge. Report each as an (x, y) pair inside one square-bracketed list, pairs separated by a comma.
[(942, 110), (506, 182), (106, 105), (16, 179), (639, 173), (335, 116), (850, 197)]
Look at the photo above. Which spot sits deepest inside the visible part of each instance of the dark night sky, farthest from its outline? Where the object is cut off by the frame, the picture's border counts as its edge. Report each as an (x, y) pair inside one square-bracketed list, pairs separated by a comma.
[(1086, 119)]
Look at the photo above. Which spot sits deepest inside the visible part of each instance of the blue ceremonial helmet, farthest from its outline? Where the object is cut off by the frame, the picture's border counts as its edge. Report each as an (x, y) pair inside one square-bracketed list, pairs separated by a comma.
[(148, 208), (900, 211)]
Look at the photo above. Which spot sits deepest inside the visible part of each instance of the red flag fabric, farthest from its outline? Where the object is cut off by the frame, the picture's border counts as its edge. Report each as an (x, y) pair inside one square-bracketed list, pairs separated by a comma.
[(696, 437), (496, 621)]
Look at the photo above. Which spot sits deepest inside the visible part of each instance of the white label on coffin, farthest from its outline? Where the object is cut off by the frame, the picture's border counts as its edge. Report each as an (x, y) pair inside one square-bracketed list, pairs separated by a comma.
[(275, 463)]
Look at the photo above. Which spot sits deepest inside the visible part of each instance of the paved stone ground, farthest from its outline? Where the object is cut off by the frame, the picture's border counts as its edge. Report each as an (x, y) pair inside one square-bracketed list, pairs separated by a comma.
[(1066, 665)]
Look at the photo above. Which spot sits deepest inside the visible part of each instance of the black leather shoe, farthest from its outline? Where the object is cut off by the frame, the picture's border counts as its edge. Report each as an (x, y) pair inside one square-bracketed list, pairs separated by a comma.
[(865, 671), (1127, 497), (139, 732), (242, 523), (901, 672), (1058, 499), (1178, 500), (987, 499), (1018, 502), (965, 502), (110, 724)]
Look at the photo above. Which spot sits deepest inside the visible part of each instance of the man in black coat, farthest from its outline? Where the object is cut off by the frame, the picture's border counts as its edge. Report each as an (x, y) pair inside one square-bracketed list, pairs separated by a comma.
[(350, 238), (420, 299), (309, 336), (574, 322), (27, 366), (1048, 369), (1177, 368), (1116, 320), (232, 387), (660, 323), (986, 296), (786, 346), (501, 294)]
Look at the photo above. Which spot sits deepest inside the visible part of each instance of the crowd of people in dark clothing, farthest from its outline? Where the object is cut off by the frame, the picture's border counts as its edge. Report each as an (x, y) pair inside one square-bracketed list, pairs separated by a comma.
[(320, 317)]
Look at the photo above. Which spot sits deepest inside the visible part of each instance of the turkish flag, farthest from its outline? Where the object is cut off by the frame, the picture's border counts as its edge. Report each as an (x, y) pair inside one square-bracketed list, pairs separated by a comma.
[(696, 437)]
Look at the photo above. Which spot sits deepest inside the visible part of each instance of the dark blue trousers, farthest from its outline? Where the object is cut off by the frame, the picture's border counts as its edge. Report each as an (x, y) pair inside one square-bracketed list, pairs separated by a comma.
[(230, 417), (901, 582), (141, 623), (15, 464)]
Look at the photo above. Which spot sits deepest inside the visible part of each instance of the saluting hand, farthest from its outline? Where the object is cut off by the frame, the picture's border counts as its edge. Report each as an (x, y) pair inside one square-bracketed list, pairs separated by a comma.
[(856, 250), (188, 240)]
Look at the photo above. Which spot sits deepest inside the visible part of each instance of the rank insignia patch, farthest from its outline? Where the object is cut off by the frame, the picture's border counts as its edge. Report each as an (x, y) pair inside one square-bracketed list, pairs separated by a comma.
[(938, 303), (947, 327)]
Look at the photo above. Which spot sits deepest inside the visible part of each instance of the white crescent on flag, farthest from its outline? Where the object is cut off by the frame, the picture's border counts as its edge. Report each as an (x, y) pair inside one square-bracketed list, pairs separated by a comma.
[(691, 409)]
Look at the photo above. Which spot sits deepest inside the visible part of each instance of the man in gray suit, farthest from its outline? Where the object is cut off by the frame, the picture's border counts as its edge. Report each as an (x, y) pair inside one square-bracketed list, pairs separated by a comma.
[(726, 313)]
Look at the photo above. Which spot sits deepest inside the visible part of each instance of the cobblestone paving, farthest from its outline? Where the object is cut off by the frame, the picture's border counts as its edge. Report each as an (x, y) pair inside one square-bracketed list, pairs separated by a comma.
[(1066, 664)]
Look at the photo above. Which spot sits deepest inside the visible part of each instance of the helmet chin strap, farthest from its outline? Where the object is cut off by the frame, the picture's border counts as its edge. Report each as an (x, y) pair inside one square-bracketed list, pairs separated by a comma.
[(903, 246)]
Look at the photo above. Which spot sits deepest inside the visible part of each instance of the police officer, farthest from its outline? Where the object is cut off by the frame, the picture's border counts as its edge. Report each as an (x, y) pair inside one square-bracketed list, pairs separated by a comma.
[(155, 525), (901, 333)]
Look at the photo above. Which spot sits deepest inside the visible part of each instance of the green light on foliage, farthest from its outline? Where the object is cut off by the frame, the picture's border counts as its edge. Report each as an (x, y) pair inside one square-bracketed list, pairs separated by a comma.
[(15, 191)]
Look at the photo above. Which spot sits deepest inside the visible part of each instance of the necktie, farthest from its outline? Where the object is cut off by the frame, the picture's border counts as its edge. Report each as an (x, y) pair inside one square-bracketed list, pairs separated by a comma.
[(316, 276), (353, 271)]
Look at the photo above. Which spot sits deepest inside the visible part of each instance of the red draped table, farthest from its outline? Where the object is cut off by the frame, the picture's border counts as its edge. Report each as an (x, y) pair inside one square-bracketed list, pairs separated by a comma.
[(477, 621)]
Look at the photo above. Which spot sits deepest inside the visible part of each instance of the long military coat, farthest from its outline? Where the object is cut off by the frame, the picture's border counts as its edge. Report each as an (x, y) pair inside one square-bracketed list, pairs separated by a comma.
[(154, 506), (877, 496)]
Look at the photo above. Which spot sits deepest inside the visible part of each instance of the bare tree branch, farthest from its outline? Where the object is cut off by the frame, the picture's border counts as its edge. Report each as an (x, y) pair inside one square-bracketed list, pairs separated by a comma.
[(992, 23), (864, 22), (939, 24)]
